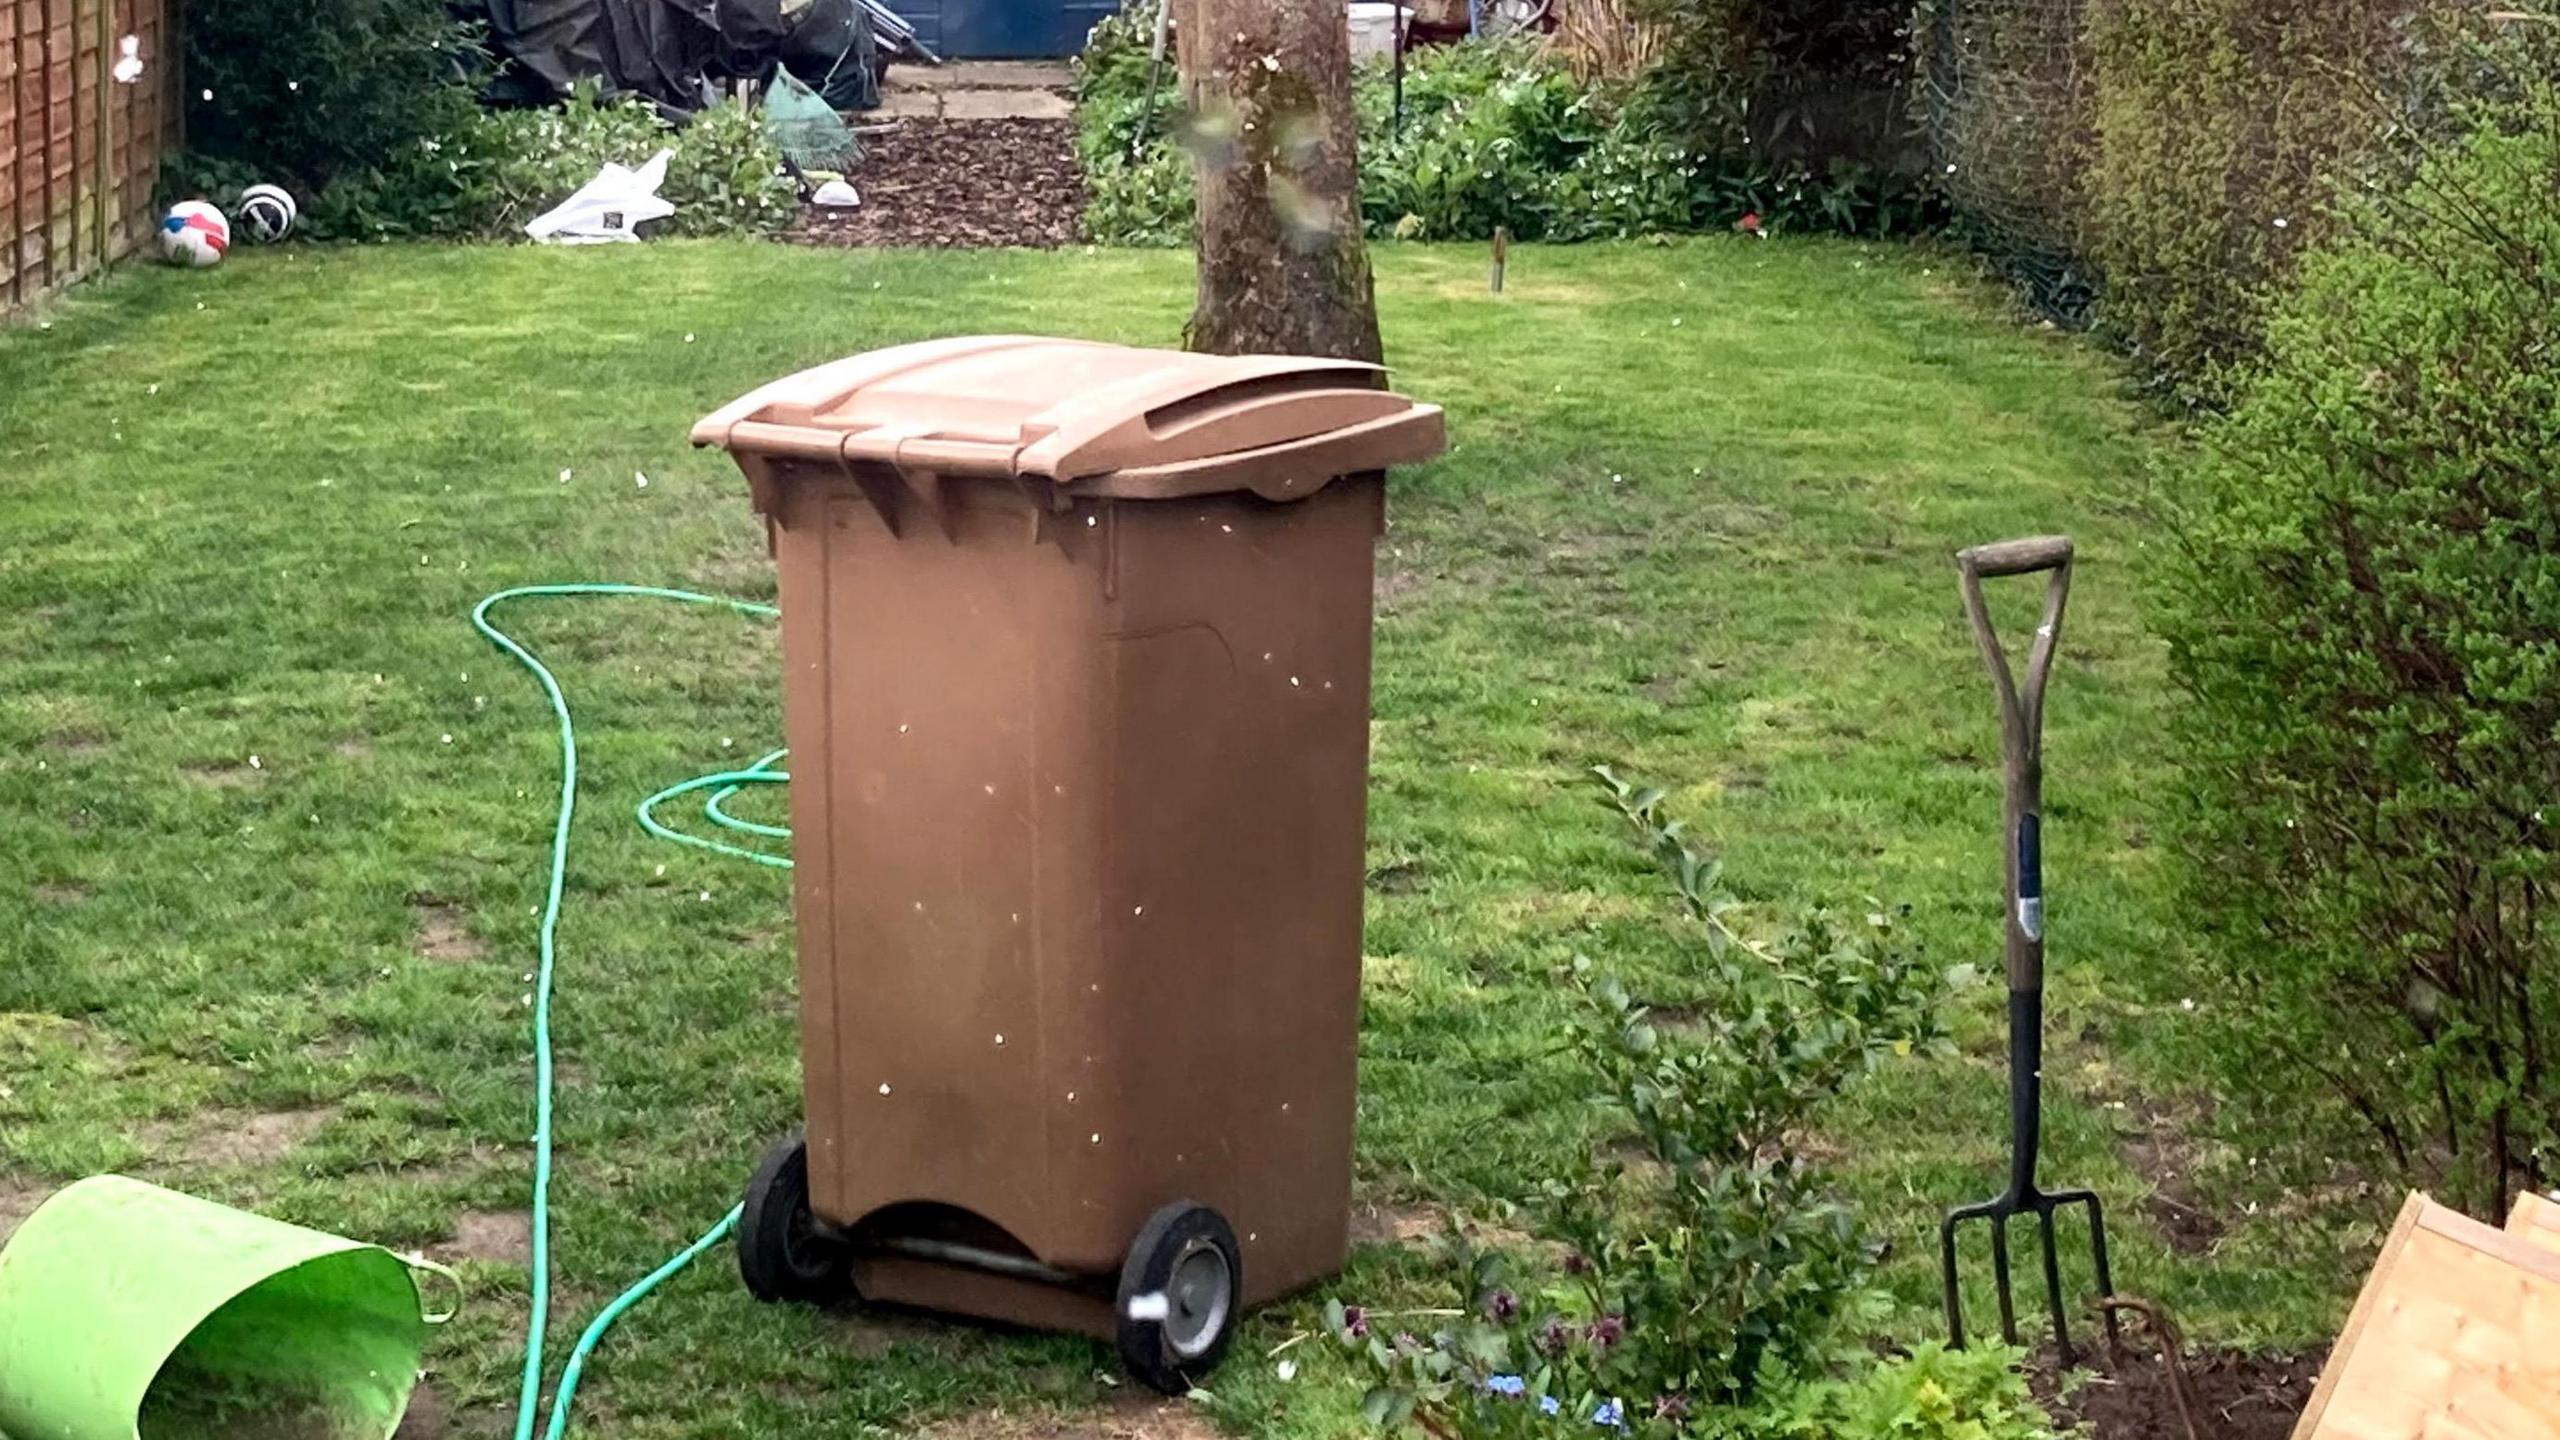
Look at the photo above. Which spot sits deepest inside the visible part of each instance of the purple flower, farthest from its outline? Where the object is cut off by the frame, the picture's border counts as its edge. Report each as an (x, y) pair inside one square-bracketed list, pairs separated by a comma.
[(1576, 1263), (1553, 1337), (1674, 1406), (1609, 1414), (1608, 1330), (1502, 1307), (1355, 1322), (1510, 1385)]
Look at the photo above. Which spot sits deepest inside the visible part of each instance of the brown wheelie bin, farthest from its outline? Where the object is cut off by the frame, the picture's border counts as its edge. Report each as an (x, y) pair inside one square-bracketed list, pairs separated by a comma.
[(1076, 652)]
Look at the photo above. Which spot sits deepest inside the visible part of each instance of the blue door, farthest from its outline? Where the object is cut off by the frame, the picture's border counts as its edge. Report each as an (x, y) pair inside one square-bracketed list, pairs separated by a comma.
[(1003, 29)]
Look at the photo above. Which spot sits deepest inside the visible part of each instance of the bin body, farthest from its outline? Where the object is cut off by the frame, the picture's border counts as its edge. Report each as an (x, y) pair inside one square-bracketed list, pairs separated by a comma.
[(1079, 769)]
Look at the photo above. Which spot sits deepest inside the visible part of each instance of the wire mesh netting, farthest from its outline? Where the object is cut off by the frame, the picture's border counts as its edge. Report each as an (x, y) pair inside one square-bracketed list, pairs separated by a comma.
[(2008, 102)]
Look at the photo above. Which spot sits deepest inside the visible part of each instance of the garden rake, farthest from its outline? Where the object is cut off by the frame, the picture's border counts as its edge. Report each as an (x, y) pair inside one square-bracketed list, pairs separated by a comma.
[(2022, 763)]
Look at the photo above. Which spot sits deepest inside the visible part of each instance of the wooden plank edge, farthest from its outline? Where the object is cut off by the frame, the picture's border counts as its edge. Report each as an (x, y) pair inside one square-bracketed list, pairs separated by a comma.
[(2370, 1296)]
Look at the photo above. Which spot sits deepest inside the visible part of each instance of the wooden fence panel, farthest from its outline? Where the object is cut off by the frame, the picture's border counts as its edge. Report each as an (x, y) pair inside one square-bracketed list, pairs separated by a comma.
[(80, 150)]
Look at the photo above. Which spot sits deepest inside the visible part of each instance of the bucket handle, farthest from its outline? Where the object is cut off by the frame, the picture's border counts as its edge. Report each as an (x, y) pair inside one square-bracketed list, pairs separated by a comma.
[(423, 1265)]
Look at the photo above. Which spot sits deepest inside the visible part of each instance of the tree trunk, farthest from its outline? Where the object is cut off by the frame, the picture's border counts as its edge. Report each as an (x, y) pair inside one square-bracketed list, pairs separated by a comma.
[(1283, 269)]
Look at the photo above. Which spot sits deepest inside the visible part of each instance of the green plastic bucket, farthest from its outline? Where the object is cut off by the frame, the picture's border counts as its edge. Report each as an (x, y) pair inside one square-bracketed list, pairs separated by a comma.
[(127, 1310)]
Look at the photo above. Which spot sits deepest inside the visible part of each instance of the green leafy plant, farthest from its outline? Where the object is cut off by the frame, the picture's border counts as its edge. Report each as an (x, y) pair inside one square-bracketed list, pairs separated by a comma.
[(1139, 188), (1763, 1256), (1492, 134), (1488, 131), (347, 104), (1932, 1393), (1712, 1264), (2363, 614), (725, 177)]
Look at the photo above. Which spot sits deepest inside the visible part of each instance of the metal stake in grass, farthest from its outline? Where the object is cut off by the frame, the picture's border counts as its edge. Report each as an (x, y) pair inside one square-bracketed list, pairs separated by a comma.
[(2022, 763), (1155, 68)]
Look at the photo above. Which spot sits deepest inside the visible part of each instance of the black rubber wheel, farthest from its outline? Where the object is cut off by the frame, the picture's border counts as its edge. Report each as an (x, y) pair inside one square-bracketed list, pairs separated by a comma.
[(1180, 1291), (784, 1254)]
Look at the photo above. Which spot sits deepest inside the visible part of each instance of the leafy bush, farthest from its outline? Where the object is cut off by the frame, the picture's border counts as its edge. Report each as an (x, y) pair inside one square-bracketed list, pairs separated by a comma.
[(1489, 131), (2364, 618), (725, 178), (1493, 134), (1762, 70), (1707, 1279), (2221, 127), (344, 103)]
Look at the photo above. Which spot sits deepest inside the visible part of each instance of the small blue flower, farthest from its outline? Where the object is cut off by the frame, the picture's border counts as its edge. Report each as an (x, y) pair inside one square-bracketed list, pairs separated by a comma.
[(1511, 1385), (1547, 1405), (1609, 1414)]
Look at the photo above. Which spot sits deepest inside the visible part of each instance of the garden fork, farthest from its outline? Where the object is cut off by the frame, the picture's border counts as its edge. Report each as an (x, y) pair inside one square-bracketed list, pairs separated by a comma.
[(2022, 763)]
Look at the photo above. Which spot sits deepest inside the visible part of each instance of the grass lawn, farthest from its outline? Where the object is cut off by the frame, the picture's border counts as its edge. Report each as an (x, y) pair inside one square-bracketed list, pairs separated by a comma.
[(273, 816)]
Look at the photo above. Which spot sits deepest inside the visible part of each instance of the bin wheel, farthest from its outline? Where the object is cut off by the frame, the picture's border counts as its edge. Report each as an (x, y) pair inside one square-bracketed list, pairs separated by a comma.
[(1178, 1297), (784, 1253)]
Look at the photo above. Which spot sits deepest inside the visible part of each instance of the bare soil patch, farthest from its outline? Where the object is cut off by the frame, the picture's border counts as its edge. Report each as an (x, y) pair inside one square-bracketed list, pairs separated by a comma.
[(18, 1200), (76, 743), (1420, 1223), (1394, 583), (1396, 1224), (2164, 1156), (1129, 1417), (224, 1140), (442, 932), (426, 1418), (502, 1237), (1400, 877), (2234, 1397)]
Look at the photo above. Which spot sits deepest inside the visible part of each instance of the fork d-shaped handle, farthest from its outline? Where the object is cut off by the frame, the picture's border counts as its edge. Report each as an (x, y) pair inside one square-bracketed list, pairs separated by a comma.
[(2021, 732)]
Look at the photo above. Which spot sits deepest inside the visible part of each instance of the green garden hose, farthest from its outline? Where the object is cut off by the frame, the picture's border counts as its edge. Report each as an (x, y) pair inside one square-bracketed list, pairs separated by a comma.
[(723, 785)]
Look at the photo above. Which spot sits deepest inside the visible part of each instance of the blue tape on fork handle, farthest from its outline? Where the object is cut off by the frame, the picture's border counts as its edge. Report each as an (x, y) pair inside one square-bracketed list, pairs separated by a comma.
[(2031, 876)]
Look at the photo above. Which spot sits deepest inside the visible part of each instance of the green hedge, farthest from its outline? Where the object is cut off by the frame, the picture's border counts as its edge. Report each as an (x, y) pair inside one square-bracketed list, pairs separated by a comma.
[(2363, 612), (2222, 127)]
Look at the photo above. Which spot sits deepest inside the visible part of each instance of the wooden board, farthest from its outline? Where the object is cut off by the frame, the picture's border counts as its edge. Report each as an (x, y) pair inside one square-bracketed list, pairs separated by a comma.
[(2456, 1336), (2536, 1221)]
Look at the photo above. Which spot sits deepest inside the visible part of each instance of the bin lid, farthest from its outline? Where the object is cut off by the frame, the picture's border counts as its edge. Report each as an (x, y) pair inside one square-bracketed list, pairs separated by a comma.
[(1097, 419)]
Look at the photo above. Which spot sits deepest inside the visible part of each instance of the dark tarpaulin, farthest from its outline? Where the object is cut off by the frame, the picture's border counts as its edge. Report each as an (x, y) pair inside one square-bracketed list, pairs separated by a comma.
[(663, 48)]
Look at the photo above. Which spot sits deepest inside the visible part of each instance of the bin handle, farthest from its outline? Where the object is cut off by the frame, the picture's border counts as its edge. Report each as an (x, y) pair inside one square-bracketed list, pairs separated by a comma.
[(421, 1265), (1291, 470)]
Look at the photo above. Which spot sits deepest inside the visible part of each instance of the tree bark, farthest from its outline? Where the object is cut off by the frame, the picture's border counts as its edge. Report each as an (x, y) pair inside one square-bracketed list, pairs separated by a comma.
[(1283, 267)]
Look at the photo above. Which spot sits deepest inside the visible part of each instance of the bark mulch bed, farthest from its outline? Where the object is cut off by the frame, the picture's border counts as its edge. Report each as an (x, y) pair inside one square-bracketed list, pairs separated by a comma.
[(958, 183), (2236, 1396)]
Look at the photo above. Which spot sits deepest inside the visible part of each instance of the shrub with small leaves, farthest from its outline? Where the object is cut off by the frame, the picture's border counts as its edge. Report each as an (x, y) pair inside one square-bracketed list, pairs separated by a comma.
[(1712, 1271), (2363, 613)]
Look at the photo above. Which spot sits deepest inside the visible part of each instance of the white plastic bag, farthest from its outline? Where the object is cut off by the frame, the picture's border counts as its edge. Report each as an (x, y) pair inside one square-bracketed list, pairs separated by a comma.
[(608, 208)]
